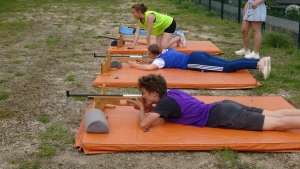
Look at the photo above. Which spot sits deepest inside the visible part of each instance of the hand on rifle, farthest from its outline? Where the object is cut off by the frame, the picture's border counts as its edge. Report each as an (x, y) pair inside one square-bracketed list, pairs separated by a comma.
[(138, 104)]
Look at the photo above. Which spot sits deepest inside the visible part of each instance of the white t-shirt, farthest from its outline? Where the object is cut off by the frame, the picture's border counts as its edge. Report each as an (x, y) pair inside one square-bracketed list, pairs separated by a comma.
[(159, 62)]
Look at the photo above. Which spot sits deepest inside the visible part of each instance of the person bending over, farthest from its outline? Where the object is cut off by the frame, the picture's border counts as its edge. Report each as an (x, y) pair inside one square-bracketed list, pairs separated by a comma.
[(179, 107), (161, 26), (200, 61)]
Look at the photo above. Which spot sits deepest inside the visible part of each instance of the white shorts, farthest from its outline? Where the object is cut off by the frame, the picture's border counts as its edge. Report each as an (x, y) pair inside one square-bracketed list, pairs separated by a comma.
[(258, 14)]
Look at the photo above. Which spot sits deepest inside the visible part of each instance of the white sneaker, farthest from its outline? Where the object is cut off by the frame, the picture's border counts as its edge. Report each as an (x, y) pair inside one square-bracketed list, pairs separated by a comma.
[(182, 39), (252, 55), (265, 67), (242, 52)]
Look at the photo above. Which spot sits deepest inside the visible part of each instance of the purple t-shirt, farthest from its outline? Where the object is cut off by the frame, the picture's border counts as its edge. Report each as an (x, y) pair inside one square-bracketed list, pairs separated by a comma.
[(193, 111)]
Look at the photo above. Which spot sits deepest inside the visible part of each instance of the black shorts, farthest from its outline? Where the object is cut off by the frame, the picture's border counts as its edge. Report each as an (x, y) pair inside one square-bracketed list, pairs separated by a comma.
[(171, 28), (233, 115)]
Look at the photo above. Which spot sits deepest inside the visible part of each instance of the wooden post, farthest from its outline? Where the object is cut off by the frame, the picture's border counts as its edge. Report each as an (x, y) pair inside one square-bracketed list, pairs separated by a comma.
[(103, 88), (120, 40)]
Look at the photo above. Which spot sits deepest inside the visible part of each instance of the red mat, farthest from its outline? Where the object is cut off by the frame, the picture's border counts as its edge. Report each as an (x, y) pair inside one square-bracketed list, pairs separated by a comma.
[(125, 134), (192, 46), (177, 78)]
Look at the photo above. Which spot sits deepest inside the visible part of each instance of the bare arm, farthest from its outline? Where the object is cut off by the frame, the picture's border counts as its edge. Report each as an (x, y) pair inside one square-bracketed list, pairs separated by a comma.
[(151, 19), (142, 66), (146, 119), (136, 36), (256, 3), (157, 122)]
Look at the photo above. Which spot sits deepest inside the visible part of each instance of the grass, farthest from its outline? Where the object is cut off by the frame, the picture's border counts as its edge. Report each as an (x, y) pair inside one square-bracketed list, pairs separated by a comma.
[(80, 98), (53, 40), (230, 159), (51, 141), (70, 78), (43, 119), (3, 96), (76, 61), (19, 74)]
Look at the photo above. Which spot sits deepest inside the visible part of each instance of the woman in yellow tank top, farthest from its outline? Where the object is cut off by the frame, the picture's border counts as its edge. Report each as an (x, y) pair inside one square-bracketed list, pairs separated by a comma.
[(160, 25)]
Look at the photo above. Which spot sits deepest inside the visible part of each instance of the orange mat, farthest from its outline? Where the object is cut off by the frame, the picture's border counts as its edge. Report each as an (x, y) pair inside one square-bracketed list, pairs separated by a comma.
[(125, 134), (192, 46), (177, 78)]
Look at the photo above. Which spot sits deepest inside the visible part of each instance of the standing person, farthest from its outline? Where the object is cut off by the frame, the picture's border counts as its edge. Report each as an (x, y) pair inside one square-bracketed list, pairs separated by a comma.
[(161, 26), (179, 107), (254, 14), (199, 61)]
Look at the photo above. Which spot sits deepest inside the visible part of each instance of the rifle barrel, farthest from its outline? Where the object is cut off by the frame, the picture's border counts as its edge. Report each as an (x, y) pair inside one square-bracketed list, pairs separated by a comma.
[(91, 95)]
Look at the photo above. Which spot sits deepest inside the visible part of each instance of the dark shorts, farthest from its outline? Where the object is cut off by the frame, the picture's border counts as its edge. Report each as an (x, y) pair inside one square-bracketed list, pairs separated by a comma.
[(233, 115), (171, 28)]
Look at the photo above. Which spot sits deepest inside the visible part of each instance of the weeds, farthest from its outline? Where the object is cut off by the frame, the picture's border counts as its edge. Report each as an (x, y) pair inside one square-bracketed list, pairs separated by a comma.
[(277, 40), (3, 96), (70, 78)]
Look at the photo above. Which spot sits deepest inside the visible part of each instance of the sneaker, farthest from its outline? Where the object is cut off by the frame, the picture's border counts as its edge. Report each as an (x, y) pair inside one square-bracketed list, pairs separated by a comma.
[(264, 67), (182, 39), (252, 55), (242, 52)]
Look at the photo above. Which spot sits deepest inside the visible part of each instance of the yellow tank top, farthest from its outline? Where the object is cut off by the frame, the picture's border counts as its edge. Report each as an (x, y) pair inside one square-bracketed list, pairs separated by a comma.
[(160, 24)]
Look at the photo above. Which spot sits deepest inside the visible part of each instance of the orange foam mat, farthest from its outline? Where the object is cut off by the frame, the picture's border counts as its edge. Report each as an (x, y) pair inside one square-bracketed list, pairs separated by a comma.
[(125, 134), (177, 78), (192, 46)]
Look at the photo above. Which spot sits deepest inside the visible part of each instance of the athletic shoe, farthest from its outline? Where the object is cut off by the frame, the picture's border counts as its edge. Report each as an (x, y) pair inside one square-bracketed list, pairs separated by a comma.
[(264, 67), (252, 55), (242, 52), (182, 38)]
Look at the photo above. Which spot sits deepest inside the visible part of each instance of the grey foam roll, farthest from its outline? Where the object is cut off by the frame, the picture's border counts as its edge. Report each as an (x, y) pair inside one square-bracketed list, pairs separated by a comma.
[(95, 121), (115, 64)]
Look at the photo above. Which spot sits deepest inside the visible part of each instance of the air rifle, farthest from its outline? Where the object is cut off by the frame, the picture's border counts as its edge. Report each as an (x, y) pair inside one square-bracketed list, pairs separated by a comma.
[(110, 101)]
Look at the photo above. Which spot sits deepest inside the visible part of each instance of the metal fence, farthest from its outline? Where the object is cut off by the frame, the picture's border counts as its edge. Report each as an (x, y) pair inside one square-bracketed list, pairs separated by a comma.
[(233, 10)]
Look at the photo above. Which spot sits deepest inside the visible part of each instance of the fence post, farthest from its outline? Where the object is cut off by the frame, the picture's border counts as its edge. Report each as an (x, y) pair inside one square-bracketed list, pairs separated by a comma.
[(209, 5), (239, 11), (299, 34), (222, 9)]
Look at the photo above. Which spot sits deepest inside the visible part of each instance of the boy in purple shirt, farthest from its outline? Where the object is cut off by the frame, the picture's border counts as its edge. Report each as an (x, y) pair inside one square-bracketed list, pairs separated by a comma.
[(179, 107)]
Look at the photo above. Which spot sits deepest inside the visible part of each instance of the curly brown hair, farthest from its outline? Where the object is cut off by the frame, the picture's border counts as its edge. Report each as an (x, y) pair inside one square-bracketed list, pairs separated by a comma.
[(155, 49), (140, 7), (153, 82)]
